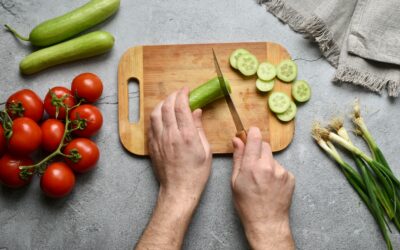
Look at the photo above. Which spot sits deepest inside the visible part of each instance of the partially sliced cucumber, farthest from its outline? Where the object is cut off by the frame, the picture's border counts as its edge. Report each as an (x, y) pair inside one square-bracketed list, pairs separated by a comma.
[(207, 93), (247, 64), (265, 86), (301, 91), (266, 71), (286, 70), (235, 55), (289, 114), (278, 102)]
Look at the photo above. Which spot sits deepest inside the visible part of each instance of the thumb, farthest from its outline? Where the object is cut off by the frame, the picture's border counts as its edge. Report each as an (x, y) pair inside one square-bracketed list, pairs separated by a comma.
[(197, 115), (238, 152)]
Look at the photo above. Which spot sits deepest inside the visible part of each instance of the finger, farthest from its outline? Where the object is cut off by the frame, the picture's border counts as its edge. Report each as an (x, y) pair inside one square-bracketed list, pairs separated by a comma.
[(266, 154), (183, 113), (152, 145), (168, 112), (252, 151), (197, 115), (238, 152), (156, 125)]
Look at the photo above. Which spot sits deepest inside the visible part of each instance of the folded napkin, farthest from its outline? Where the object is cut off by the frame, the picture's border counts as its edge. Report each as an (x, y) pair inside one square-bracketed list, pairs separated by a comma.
[(360, 38)]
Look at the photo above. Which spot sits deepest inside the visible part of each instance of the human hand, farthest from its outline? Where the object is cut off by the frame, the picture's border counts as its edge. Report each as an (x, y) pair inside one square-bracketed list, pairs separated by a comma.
[(179, 149), (262, 192)]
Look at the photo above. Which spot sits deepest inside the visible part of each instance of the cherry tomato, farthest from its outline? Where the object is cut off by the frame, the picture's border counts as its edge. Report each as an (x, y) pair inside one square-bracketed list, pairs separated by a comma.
[(58, 95), (52, 134), (3, 141), (58, 180), (26, 136), (9, 170), (25, 103), (88, 151), (87, 86), (93, 120)]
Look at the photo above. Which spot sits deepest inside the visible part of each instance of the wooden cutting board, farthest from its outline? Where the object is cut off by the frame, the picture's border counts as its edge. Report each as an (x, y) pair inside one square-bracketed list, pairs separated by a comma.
[(163, 69)]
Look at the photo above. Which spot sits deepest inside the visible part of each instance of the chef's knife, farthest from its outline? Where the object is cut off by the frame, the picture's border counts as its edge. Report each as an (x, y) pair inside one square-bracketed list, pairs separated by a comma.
[(241, 132)]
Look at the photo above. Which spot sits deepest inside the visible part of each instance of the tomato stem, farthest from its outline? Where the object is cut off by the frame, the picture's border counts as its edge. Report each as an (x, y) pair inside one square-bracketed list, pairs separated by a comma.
[(16, 109), (7, 124), (42, 165)]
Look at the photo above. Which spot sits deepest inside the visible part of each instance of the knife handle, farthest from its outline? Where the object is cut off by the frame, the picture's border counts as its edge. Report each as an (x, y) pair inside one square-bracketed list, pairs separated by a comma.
[(242, 136)]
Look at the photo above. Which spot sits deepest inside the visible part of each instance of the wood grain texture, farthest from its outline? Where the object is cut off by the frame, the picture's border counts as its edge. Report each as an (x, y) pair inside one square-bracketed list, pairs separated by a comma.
[(163, 69)]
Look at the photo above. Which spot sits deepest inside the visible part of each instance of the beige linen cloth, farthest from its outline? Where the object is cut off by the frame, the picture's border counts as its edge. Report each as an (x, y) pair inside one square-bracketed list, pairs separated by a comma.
[(360, 38)]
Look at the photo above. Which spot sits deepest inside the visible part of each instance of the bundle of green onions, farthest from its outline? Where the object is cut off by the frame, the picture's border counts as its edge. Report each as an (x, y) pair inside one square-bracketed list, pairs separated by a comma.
[(372, 179)]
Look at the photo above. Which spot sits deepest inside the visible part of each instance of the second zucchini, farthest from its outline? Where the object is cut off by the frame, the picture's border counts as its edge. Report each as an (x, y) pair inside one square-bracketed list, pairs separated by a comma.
[(92, 44)]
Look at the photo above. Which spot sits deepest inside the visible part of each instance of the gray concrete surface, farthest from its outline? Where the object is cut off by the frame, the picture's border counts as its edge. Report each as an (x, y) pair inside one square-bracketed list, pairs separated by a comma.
[(110, 206)]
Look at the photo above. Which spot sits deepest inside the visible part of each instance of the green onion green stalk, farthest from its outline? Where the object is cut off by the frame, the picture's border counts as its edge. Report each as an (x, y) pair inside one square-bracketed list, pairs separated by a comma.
[(374, 181)]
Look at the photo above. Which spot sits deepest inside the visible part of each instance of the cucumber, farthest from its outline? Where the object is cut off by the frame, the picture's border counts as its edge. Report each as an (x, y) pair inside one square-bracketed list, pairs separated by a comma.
[(266, 71), (63, 27), (95, 43), (301, 91), (289, 114), (286, 70), (206, 93), (235, 55), (278, 102), (265, 86), (247, 64)]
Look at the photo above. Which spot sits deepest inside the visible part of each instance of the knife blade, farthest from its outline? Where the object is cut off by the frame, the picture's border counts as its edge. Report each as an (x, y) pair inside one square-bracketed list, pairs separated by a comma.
[(241, 132)]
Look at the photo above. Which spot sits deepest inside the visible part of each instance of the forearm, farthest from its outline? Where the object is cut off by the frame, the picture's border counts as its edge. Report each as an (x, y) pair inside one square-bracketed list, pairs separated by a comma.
[(270, 236), (168, 224)]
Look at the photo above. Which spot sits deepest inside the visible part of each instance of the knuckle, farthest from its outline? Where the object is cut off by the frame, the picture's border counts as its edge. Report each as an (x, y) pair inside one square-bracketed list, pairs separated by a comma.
[(153, 116), (179, 109), (166, 108), (187, 135), (281, 175), (268, 170)]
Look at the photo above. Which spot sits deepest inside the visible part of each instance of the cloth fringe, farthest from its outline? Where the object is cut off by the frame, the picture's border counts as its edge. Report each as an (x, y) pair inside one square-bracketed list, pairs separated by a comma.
[(314, 28), (368, 80)]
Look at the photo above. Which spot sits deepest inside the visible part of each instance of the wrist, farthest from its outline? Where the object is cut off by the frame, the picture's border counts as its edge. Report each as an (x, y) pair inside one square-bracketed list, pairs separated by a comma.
[(177, 202), (270, 234)]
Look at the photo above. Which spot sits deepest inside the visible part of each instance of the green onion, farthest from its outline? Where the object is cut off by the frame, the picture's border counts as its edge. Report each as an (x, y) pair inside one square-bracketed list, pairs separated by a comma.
[(375, 184)]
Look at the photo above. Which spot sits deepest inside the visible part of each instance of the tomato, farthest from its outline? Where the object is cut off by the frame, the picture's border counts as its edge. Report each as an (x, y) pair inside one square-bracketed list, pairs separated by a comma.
[(26, 136), (93, 120), (9, 170), (87, 86), (88, 151), (25, 103), (3, 141), (58, 95), (58, 180), (52, 134)]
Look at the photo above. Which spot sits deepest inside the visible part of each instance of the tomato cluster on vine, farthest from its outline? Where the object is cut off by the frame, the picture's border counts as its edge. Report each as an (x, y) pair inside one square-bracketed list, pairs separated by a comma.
[(64, 134)]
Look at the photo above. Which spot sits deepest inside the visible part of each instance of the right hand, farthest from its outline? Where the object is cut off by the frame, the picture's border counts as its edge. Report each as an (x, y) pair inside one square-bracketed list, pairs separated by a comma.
[(262, 192)]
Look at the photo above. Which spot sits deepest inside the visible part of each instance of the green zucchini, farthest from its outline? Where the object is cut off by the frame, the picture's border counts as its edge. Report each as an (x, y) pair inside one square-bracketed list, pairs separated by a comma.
[(72, 23), (92, 44), (206, 93)]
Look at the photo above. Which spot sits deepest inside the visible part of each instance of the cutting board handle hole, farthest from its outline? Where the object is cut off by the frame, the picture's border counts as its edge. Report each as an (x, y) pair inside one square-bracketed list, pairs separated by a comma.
[(133, 99)]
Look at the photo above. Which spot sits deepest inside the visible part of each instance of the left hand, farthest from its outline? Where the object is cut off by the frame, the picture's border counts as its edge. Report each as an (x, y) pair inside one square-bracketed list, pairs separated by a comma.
[(179, 149)]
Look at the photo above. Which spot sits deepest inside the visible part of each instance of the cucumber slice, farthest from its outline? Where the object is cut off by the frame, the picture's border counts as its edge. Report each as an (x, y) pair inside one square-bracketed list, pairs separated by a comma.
[(289, 114), (247, 64), (278, 102), (265, 86), (286, 70), (301, 91), (266, 71), (235, 55)]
